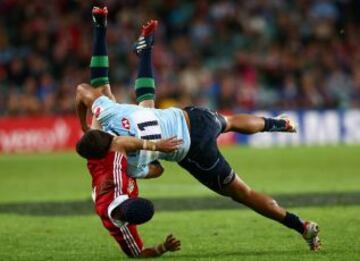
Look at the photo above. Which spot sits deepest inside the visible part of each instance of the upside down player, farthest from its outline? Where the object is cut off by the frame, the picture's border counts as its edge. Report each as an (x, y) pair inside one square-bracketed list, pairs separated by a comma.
[(199, 154), (115, 193)]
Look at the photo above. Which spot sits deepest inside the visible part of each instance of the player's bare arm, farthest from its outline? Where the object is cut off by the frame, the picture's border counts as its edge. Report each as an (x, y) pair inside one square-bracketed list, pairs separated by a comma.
[(94, 144), (171, 244), (85, 96), (125, 144)]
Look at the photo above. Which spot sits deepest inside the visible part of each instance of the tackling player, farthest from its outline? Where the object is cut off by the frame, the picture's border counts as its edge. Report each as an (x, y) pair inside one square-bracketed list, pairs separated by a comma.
[(117, 203), (115, 194), (199, 154)]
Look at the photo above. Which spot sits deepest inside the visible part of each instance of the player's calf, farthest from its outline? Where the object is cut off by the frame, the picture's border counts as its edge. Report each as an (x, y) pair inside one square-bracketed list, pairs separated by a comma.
[(268, 207), (99, 65), (240, 192), (145, 83)]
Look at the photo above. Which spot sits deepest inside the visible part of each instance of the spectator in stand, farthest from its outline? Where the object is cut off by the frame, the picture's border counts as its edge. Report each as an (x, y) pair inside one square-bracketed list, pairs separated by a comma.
[(288, 54)]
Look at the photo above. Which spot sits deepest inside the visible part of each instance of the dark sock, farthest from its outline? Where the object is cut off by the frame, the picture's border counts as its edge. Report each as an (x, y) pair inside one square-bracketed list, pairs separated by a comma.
[(272, 124), (145, 83), (99, 65), (294, 222)]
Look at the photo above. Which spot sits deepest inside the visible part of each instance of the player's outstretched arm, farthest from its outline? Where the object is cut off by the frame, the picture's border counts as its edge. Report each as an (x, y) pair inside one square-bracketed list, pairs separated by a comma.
[(126, 144), (94, 144), (171, 244)]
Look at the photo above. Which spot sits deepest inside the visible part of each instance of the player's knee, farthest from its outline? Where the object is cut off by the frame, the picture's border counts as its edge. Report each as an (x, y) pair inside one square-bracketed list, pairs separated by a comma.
[(134, 211), (273, 203), (228, 121)]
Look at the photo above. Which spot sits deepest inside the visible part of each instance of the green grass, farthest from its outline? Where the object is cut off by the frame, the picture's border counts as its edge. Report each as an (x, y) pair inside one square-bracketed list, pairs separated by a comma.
[(206, 234)]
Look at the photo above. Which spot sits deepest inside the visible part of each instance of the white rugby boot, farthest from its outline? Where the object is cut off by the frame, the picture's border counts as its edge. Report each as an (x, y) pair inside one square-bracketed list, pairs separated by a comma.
[(311, 235)]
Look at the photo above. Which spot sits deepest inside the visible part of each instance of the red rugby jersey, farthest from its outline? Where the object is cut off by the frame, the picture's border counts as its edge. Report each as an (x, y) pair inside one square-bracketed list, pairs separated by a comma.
[(109, 181)]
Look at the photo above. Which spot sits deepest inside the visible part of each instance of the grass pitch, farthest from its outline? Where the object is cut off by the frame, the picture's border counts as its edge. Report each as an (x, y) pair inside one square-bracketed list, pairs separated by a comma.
[(46, 212)]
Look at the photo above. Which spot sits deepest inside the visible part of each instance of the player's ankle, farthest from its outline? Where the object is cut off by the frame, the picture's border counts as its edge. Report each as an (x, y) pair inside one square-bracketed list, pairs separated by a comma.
[(294, 222), (273, 124)]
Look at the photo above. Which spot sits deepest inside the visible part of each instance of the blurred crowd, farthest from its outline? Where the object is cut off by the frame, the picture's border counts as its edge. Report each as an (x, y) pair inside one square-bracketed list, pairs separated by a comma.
[(242, 55)]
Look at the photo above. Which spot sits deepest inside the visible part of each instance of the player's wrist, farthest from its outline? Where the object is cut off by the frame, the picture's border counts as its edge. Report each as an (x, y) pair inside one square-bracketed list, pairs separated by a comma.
[(161, 249), (148, 145)]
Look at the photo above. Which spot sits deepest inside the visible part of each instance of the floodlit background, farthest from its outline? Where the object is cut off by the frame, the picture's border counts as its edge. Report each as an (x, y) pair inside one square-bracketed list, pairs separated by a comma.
[(265, 57), (224, 54)]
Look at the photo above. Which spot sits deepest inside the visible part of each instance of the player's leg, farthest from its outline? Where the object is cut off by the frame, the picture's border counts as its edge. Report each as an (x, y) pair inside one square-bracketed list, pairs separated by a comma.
[(145, 83), (99, 65), (250, 124), (205, 162), (240, 192)]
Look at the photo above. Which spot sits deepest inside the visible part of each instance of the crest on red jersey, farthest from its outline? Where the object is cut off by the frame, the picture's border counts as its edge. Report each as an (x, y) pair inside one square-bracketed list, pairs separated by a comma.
[(125, 123), (131, 186)]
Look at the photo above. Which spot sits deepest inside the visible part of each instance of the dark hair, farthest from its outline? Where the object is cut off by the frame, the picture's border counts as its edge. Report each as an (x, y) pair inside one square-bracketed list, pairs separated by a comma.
[(94, 144), (135, 211)]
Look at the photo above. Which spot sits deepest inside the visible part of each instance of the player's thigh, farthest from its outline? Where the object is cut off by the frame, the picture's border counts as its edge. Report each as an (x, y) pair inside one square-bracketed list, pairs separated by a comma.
[(211, 169)]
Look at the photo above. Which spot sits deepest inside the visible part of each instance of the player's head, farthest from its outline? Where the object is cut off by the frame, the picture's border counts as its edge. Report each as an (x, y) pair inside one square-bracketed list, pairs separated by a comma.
[(134, 211), (94, 144)]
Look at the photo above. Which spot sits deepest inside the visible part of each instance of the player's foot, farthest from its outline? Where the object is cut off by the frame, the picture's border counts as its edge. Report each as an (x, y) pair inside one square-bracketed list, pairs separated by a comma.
[(99, 16), (311, 235), (147, 37), (290, 125)]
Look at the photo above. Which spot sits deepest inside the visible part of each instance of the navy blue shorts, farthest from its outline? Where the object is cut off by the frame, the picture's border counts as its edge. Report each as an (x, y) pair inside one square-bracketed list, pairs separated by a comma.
[(204, 160)]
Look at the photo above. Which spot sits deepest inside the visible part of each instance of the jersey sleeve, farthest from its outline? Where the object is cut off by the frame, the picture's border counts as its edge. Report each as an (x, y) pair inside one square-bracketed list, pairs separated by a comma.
[(127, 237), (137, 172), (103, 109)]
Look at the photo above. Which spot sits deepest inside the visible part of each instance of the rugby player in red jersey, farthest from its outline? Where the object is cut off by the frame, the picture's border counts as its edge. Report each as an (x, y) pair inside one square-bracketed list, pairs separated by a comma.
[(115, 194), (117, 203)]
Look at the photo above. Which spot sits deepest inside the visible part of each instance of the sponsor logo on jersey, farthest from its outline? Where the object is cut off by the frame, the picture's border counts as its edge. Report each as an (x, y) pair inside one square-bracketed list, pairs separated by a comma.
[(97, 111), (131, 186), (125, 123)]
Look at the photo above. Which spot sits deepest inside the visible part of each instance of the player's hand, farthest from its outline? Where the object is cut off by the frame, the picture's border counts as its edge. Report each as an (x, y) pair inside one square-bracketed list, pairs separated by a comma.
[(168, 145), (172, 244)]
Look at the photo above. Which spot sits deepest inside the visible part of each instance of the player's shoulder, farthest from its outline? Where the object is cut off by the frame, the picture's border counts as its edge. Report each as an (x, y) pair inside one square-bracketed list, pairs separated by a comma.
[(111, 158)]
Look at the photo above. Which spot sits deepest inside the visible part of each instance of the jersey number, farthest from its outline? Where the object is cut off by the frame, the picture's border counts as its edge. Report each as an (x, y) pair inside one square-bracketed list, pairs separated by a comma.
[(147, 124), (146, 132)]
